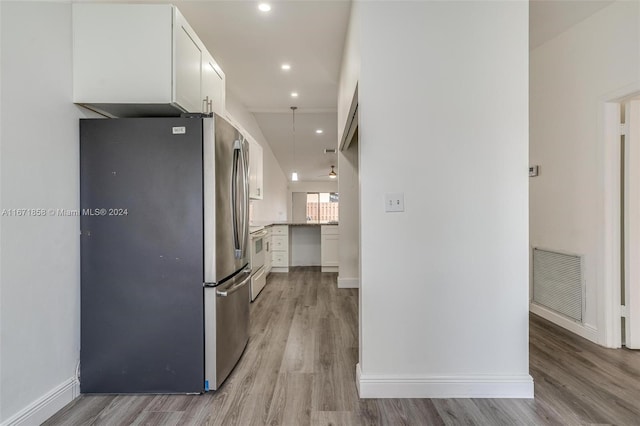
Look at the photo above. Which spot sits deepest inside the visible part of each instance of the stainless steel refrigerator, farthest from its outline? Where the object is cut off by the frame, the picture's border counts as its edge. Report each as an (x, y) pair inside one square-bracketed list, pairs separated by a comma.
[(164, 262)]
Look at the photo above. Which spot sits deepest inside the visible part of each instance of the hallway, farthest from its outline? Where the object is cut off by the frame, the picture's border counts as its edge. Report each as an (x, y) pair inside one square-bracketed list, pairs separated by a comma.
[(299, 369)]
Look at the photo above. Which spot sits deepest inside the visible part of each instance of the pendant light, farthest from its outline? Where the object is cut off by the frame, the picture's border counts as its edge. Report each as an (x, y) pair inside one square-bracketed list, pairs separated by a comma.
[(294, 174), (332, 173)]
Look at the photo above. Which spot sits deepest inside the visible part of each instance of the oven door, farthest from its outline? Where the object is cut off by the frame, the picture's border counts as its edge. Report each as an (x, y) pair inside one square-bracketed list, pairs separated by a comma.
[(258, 249)]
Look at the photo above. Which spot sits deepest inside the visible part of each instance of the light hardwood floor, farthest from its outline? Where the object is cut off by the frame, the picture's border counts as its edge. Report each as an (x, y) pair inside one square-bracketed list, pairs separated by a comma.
[(298, 369)]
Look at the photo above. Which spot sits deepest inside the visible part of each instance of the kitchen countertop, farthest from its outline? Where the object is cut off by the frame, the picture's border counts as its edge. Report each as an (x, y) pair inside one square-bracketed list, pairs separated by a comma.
[(311, 224), (256, 228)]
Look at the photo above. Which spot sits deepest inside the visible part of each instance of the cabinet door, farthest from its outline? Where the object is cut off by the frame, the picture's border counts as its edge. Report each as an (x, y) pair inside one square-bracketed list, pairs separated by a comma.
[(122, 53), (279, 243), (329, 250), (259, 173), (280, 259), (255, 171), (212, 85), (187, 63), (280, 230)]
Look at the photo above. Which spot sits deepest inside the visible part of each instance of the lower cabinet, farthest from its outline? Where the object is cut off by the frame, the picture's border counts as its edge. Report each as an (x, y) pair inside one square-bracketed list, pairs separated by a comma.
[(280, 248), (329, 239)]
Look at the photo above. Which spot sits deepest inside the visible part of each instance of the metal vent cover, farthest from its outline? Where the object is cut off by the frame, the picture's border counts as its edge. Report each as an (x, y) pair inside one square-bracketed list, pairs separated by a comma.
[(558, 283)]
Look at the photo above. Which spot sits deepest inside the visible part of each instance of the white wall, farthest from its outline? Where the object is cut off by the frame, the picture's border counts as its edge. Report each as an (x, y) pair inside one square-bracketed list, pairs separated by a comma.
[(349, 217), (308, 186), (299, 207), (571, 76), (39, 267), (349, 183), (273, 206), (443, 101), (350, 69)]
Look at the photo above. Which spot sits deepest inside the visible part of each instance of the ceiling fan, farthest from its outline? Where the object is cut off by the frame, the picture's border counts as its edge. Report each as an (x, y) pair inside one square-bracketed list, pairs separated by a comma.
[(332, 173)]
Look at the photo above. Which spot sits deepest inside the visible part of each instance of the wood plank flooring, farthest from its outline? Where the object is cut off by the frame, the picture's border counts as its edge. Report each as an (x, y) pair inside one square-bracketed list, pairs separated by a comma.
[(298, 369)]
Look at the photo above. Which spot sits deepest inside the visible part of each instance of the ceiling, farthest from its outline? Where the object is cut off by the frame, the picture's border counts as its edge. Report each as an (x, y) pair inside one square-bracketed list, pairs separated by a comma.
[(549, 18), (251, 45), (309, 145)]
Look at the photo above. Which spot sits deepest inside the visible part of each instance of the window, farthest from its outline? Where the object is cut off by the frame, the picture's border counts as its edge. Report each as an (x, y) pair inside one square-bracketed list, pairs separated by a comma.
[(322, 207)]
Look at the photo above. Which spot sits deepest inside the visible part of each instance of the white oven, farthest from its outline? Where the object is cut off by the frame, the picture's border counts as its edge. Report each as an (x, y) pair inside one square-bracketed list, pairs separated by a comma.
[(258, 250)]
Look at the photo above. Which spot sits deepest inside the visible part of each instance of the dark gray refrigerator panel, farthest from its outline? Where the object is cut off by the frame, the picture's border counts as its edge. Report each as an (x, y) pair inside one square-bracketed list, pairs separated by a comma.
[(142, 255)]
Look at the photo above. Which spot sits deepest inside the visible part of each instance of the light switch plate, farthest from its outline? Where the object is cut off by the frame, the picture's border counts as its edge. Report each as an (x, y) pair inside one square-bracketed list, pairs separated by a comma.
[(394, 202)]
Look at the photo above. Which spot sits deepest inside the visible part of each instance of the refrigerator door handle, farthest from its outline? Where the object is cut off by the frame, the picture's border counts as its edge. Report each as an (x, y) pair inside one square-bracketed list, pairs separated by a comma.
[(237, 150), (245, 199), (229, 291)]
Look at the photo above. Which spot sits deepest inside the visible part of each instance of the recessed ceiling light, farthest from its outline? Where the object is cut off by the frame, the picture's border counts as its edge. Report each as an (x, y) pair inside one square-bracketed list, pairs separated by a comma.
[(264, 7), (286, 67), (294, 94), (319, 131)]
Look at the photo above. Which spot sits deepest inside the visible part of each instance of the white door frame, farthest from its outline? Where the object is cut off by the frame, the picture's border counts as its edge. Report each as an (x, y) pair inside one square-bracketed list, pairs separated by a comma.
[(609, 309)]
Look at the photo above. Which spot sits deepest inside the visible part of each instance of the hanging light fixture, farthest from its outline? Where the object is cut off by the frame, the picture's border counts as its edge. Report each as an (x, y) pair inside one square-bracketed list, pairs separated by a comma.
[(332, 173), (294, 174)]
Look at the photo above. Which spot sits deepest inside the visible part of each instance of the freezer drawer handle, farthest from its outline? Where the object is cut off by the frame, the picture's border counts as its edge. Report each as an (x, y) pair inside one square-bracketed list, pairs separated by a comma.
[(233, 289)]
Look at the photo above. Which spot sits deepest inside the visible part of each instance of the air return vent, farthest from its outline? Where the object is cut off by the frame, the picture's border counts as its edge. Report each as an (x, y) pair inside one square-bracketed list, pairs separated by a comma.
[(557, 282)]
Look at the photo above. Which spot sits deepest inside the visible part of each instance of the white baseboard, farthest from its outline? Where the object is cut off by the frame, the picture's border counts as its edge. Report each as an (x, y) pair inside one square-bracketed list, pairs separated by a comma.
[(348, 282), (47, 405), (329, 269), (583, 330), (489, 386)]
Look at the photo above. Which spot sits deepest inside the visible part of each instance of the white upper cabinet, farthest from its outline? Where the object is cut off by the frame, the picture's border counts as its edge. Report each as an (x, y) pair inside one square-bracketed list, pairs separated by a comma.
[(213, 87), (187, 65), (142, 59), (256, 191)]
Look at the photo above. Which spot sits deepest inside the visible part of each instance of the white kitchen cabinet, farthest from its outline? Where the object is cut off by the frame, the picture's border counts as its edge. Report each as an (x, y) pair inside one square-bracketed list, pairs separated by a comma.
[(329, 243), (213, 88), (188, 59), (134, 60), (280, 230), (280, 248), (280, 242), (256, 191)]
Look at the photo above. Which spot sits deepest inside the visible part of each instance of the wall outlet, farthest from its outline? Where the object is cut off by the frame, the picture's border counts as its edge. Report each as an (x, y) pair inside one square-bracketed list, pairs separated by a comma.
[(394, 202)]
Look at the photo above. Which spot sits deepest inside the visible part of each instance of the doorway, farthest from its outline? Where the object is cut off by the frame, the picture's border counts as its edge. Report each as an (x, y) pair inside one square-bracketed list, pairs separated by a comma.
[(621, 287), (630, 223)]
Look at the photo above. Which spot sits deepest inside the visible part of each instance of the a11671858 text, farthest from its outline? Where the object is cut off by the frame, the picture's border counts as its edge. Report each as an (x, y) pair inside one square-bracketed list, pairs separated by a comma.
[(39, 212)]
